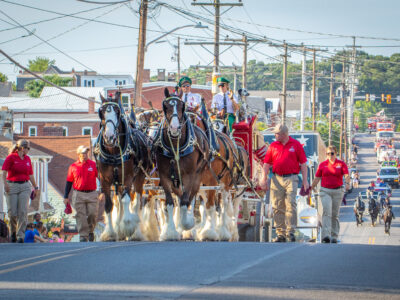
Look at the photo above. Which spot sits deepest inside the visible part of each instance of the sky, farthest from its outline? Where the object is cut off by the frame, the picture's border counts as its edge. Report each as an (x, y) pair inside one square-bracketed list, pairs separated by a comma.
[(103, 37)]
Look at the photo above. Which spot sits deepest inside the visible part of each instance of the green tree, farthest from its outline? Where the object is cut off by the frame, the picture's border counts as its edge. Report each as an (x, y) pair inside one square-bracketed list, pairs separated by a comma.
[(363, 110), (40, 64), (3, 77), (35, 87)]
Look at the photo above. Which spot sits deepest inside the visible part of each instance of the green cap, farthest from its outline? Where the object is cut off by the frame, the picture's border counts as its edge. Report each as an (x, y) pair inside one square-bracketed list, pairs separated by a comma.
[(222, 80), (185, 79)]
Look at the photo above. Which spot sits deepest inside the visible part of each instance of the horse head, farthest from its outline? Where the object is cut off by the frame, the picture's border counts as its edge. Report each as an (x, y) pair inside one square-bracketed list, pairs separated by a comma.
[(174, 110), (110, 114)]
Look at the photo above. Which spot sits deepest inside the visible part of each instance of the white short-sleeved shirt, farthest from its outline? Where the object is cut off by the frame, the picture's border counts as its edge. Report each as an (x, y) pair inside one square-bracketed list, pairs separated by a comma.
[(193, 100), (218, 102)]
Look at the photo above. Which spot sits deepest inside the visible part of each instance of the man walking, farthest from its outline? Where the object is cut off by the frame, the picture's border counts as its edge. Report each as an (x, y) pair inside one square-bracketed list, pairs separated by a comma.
[(82, 176), (287, 157)]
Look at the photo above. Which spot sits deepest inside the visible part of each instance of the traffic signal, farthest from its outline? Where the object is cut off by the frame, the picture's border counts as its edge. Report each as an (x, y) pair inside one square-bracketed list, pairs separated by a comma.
[(367, 97), (388, 99), (383, 97)]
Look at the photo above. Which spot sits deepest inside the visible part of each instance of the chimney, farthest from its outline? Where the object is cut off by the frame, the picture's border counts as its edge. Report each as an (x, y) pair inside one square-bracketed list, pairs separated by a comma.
[(146, 75), (91, 106)]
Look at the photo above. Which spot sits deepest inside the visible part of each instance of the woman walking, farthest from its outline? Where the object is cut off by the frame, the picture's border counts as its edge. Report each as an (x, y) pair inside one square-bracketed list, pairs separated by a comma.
[(330, 173), (17, 173)]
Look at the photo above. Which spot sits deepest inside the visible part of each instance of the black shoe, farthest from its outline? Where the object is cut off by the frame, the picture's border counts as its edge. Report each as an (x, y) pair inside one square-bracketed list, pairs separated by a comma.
[(91, 237), (13, 237), (83, 239), (279, 239), (20, 240), (334, 241), (291, 237), (326, 240)]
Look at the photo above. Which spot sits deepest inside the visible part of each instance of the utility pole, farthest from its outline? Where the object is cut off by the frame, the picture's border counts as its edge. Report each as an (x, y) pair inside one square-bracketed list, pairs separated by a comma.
[(140, 54), (244, 67), (330, 105), (342, 109), (350, 105), (303, 89), (179, 58), (313, 93), (283, 120)]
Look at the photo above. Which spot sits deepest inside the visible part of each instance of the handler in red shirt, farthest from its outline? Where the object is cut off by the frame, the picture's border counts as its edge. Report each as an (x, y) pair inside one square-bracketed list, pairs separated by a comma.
[(82, 176), (287, 158), (330, 173)]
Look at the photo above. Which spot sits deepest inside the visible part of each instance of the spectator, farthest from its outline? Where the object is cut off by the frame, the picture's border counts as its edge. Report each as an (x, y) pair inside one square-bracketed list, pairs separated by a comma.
[(330, 173), (287, 158), (82, 176), (56, 237), (36, 218), (31, 237), (17, 173)]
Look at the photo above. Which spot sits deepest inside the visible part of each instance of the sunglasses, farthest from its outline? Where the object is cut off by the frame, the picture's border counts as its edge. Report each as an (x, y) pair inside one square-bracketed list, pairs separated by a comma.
[(186, 85), (330, 153)]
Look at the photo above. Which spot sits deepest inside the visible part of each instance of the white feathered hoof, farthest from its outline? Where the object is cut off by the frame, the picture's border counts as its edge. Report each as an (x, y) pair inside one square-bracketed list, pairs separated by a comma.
[(224, 234), (169, 234), (187, 218), (189, 235), (207, 234), (137, 235), (129, 224), (108, 235)]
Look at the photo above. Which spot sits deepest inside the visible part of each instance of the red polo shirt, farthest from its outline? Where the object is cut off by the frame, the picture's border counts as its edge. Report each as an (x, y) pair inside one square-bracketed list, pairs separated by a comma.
[(332, 174), (285, 159), (83, 175), (17, 169)]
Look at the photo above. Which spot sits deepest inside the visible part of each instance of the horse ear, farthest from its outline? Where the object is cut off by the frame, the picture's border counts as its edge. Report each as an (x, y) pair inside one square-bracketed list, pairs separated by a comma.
[(102, 98), (164, 107), (166, 93)]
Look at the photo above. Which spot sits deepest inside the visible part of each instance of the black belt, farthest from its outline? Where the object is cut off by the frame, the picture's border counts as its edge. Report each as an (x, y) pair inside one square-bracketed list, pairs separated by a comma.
[(336, 188), (86, 191), (286, 175), (19, 182)]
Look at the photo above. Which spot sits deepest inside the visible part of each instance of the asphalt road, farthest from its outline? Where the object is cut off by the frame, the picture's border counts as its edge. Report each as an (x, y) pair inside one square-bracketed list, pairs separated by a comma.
[(352, 269)]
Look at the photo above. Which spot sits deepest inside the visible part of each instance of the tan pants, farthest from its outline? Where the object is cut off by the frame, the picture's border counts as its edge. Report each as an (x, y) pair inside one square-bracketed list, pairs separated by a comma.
[(330, 200), (283, 199), (17, 204), (86, 206)]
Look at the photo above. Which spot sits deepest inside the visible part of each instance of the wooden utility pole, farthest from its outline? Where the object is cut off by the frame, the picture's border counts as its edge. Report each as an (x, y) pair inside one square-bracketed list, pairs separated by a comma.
[(313, 93), (283, 119), (342, 110), (330, 106), (140, 54), (244, 66)]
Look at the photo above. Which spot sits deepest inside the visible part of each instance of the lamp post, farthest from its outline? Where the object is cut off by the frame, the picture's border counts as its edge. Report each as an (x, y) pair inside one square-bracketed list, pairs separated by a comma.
[(140, 67)]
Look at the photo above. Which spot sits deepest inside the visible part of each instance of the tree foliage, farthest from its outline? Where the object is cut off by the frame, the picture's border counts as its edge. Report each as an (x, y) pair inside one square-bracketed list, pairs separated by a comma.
[(363, 110), (35, 87), (3, 77), (40, 64)]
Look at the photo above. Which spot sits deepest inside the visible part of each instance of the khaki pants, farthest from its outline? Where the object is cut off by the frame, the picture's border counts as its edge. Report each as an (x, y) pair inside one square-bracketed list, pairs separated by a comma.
[(283, 199), (330, 200), (86, 206), (17, 204)]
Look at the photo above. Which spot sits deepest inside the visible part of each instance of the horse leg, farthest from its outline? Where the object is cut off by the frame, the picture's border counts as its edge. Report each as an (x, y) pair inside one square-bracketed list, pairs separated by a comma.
[(224, 234), (150, 226), (186, 219), (128, 221), (234, 230), (136, 233), (208, 232), (190, 234), (108, 233), (168, 232)]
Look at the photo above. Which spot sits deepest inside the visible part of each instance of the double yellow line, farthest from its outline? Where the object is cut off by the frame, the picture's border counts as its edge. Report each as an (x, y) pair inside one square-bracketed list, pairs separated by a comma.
[(371, 241)]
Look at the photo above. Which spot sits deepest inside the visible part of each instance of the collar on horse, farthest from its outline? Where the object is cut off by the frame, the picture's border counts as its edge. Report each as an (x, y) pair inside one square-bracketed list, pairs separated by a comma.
[(128, 149), (188, 146)]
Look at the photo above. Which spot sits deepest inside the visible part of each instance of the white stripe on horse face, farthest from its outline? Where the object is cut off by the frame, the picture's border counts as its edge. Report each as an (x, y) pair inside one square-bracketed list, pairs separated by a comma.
[(174, 125), (110, 115)]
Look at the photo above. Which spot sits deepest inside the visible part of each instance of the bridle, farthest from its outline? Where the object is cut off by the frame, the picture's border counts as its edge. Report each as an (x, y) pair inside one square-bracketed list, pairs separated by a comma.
[(173, 101), (108, 106)]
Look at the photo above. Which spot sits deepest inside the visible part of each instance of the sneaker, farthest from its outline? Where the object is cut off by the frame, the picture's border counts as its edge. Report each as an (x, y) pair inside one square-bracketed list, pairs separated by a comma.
[(20, 240), (91, 237), (13, 237), (334, 241), (83, 239), (291, 237), (326, 240), (279, 239)]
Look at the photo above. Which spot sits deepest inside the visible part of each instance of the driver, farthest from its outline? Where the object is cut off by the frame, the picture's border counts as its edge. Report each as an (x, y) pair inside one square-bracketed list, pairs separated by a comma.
[(192, 100)]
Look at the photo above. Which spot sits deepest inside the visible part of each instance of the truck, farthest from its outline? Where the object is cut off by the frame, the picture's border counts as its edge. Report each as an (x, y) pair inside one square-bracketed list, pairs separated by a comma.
[(390, 175)]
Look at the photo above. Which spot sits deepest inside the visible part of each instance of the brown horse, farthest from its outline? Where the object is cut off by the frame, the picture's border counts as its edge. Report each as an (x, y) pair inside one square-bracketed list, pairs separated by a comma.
[(180, 151), (388, 215), (122, 156)]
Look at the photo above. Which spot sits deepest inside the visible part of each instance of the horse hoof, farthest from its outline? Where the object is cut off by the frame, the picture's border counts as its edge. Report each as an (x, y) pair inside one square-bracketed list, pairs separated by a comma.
[(108, 236), (189, 235), (208, 235), (170, 235), (224, 234)]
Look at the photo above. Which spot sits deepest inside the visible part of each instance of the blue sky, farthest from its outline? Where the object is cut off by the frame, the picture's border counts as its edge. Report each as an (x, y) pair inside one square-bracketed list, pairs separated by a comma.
[(111, 49)]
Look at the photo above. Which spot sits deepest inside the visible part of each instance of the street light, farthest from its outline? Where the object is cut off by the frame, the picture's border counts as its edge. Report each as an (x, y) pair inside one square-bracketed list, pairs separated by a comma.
[(198, 25)]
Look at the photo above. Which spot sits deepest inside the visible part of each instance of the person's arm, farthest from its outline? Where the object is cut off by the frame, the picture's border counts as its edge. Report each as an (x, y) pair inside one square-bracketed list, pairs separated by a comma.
[(68, 187), (6, 186), (303, 169), (315, 183), (347, 180), (33, 182), (264, 178), (39, 239)]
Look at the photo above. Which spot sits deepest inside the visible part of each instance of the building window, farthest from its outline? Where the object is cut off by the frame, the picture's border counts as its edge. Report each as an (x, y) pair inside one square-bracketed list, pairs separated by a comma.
[(92, 83), (17, 128), (85, 82), (65, 130), (32, 131), (89, 83), (116, 82), (125, 101), (124, 82), (87, 131)]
